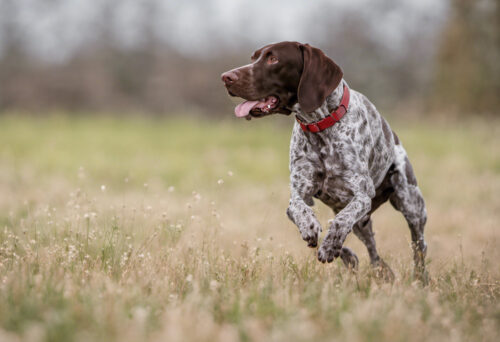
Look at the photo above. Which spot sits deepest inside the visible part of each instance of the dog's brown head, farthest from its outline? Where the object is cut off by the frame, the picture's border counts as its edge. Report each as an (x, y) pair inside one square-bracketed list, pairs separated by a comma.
[(281, 75)]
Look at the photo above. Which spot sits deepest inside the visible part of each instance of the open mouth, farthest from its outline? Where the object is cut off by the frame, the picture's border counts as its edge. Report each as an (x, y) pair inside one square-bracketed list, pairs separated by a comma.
[(257, 108)]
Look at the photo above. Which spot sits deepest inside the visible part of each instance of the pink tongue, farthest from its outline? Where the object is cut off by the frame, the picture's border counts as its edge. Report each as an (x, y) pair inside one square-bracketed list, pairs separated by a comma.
[(243, 109)]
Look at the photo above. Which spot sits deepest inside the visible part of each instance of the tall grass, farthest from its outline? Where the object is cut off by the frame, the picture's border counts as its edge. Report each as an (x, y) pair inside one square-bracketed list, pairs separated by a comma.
[(133, 229)]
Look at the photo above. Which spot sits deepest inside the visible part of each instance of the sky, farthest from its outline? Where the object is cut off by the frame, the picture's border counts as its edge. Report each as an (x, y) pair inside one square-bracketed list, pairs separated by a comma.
[(54, 30)]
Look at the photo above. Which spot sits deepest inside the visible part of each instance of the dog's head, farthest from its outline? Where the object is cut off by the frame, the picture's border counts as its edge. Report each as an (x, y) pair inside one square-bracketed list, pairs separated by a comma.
[(281, 75)]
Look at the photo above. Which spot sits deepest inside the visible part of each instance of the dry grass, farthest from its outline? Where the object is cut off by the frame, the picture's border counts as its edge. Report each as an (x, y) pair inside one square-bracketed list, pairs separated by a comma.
[(134, 230)]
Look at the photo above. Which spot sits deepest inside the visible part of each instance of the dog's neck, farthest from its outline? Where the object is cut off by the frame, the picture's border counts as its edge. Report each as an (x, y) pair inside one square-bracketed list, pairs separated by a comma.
[(331, 103)]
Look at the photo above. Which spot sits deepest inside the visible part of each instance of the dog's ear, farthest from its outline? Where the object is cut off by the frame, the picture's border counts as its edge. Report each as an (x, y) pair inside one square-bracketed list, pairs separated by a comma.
[(320, 77)]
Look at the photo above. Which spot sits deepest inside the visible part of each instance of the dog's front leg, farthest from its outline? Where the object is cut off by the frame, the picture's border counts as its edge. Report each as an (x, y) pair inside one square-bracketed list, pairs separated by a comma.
[(299, 210), (342, 225)]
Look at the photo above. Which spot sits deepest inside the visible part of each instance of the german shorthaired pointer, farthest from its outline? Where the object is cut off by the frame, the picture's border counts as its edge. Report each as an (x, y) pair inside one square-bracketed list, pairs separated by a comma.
[(342, 151)]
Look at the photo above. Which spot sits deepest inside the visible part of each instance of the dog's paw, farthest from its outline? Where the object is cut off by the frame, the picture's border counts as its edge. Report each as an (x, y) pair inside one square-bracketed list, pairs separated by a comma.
[(382, 271), (326, 253), (349, 258), (310, 234), (331, 246)]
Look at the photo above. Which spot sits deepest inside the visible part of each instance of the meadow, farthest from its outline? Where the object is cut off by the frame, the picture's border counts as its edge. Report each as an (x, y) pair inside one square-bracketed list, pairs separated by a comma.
[(122, 228)]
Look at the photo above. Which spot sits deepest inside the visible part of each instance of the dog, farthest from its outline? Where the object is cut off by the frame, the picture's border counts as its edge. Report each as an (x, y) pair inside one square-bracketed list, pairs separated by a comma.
[(342, 151)]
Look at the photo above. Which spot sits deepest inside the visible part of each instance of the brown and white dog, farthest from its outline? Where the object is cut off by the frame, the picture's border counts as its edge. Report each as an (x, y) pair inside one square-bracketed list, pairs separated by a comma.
[(342, 151)]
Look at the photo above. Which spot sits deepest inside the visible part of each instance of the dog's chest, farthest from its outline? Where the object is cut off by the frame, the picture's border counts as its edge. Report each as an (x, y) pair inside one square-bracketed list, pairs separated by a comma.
[(334, 181), (334, 194)]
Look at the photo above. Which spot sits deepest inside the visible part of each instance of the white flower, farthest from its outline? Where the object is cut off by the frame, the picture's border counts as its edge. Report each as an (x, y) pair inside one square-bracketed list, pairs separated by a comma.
[(220, 181), (213, 285), (189, 278), (103, 188), (197, 196)]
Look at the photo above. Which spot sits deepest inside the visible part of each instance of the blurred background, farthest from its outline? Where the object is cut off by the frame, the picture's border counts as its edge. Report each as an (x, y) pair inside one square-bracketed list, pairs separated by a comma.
[(134, 203), (165, 57)]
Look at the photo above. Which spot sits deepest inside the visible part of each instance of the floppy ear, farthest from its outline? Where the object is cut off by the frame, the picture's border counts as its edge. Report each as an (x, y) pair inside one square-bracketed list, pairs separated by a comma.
[(320, 77)]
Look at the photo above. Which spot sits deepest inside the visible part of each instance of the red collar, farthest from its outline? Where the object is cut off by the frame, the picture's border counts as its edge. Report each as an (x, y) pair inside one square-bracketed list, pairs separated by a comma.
[(330, 120)]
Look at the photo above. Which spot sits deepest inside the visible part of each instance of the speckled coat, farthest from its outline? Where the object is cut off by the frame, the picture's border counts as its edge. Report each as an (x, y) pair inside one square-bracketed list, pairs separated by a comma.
[(352, 167)]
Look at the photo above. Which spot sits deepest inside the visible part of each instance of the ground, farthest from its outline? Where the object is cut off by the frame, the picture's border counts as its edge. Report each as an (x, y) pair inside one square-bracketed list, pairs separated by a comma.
[(142, 229)]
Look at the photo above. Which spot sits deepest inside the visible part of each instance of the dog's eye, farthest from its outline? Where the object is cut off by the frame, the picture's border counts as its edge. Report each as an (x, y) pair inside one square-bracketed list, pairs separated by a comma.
[(272, 60)]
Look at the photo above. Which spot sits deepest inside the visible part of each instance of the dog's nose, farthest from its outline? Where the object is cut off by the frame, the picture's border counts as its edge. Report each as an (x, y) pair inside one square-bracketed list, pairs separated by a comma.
[(229, 77)]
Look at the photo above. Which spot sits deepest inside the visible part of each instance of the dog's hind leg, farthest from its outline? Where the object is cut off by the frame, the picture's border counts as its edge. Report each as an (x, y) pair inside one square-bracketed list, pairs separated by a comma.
[(408, 199), (363, 230)]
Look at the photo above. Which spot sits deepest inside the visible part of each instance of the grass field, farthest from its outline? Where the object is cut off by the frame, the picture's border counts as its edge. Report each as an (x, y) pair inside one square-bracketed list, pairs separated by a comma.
[(130, 229)]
